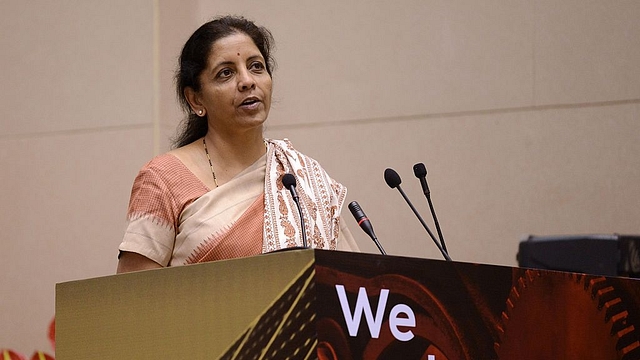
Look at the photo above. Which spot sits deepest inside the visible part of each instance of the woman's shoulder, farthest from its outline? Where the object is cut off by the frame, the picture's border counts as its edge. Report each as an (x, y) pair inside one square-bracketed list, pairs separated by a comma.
[(171, 160), (166, 160), (168, 167), (299, 161), (167, 174), (162, 167), (295, 156), (285, 145)]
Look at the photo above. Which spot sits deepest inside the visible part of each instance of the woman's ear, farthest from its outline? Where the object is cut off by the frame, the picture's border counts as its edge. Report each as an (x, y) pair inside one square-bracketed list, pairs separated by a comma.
[(194, 101)]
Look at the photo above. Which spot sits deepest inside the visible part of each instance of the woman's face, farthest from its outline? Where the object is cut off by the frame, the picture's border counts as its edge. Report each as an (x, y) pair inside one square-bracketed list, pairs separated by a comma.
[(235, 87)]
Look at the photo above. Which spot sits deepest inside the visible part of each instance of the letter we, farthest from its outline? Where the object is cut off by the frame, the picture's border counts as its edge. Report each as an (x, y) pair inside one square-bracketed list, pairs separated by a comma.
[(375, 322)]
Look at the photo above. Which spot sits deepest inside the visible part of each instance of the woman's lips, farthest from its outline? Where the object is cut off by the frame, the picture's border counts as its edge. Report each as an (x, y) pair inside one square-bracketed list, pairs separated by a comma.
[(251, 103)]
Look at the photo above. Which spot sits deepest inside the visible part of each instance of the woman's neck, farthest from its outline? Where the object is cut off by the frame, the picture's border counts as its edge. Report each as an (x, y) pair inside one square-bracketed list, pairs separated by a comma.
[(231, 155)]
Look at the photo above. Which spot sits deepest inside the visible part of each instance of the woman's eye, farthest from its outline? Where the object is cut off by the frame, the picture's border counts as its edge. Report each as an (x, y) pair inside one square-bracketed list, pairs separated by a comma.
[(257, 65), (225, 73)]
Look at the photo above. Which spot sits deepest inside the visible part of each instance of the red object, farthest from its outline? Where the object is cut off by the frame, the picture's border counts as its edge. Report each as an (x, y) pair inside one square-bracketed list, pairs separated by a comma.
[(39, 355), (11, 355), (52, 333)]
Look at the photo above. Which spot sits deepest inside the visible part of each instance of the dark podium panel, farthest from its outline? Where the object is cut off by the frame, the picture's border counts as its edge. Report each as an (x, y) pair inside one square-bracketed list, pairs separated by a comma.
[(315, 304)]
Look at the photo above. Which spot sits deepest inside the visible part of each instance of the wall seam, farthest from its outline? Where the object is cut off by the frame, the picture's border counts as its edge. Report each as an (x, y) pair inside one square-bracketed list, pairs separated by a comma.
[(156, 77), (534, 41), (455, 114)]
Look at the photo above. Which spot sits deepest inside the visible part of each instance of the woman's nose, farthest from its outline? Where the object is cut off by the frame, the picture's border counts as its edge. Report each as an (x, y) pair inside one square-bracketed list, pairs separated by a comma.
[(246, 81)]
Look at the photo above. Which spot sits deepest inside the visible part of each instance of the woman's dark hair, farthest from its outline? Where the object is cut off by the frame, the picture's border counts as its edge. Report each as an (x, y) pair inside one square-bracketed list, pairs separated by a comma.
[(193, 60)]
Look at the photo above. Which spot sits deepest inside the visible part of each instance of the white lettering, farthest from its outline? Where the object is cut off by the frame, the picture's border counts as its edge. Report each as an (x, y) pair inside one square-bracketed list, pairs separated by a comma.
[(375, 322), (362, 305), (408, 321)]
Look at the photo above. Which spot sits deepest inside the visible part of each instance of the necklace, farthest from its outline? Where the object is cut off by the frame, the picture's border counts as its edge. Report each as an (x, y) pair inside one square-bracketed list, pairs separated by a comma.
[(206, 151), (210, 164)]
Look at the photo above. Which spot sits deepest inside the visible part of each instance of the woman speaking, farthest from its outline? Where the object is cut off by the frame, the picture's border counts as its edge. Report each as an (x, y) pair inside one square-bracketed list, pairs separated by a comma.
[(219, 194)]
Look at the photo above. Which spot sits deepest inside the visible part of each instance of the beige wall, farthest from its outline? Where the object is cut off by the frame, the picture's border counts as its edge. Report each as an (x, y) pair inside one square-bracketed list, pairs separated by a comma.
[(77, 113), (524, 112)]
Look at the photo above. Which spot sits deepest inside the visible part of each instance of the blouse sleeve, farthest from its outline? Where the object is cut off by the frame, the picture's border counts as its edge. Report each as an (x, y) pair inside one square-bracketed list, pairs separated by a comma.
[(151, 217)]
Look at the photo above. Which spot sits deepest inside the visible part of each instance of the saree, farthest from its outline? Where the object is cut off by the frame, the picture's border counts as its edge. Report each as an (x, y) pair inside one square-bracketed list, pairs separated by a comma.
[(174, 219)]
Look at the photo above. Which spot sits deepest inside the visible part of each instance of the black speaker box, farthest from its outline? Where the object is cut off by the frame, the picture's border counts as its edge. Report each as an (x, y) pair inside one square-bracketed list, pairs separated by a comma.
[(608, 255)]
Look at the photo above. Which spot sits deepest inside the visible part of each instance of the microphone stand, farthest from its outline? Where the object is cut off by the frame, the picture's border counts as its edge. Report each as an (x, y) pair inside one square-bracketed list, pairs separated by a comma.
[(289, 181), (420, 171), (444, 253)]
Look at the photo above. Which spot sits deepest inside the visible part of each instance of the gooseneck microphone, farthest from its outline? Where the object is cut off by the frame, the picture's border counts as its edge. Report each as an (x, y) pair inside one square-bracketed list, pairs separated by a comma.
[(365, 224), (393, 180), (289, 181), (420, 171)]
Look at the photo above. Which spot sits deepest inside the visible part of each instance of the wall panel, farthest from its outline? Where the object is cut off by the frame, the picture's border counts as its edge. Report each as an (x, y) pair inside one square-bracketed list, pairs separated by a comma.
[(587, 51), (75, 65)]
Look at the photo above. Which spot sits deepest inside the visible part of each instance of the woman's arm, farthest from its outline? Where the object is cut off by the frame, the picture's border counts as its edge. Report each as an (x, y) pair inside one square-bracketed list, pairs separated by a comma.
[(130, 261), (346, 242)]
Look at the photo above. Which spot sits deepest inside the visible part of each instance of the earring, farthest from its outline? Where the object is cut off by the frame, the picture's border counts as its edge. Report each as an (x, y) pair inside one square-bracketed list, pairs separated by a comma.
[(200, 112)]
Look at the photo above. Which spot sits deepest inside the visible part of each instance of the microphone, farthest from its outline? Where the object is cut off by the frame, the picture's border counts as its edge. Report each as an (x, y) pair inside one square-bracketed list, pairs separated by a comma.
[(365, 224), (289, 181), (392, 179), (420, 171)]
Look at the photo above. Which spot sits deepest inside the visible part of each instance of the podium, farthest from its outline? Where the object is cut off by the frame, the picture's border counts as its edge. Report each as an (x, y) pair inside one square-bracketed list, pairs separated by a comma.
[(318, 304)]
